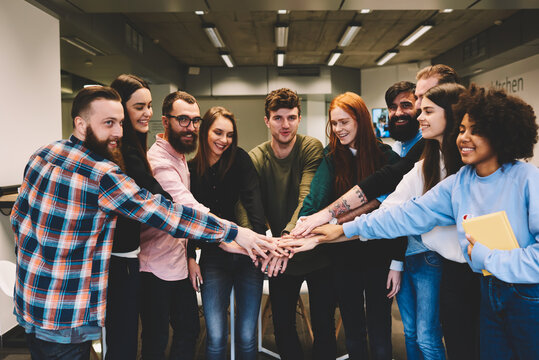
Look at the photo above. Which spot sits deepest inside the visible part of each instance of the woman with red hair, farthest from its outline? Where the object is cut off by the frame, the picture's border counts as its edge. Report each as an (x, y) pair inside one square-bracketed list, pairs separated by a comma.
[(361, 270)]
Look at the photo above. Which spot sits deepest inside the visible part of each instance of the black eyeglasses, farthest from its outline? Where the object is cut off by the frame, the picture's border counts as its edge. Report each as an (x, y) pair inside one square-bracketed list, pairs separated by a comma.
[(185, 120)]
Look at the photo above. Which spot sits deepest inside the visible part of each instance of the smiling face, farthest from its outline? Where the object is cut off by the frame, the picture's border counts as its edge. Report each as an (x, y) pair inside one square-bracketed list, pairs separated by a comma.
[(476, 149), (182, 138), (432, 120), (139, 109), (344, 126), (220, 137), (402, 117), (283, 124)]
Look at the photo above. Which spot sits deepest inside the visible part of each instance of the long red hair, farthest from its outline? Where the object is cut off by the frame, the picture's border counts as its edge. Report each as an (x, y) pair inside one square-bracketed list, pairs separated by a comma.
[(369, 157)]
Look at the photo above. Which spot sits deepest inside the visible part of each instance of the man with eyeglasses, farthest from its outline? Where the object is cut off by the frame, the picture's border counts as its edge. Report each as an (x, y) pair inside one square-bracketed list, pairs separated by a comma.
[(167, 295)]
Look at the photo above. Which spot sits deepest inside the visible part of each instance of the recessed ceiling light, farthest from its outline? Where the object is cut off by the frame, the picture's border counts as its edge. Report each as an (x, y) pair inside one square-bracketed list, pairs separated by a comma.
[(199, 12), (365, 11), (282, 12), (447, 11)]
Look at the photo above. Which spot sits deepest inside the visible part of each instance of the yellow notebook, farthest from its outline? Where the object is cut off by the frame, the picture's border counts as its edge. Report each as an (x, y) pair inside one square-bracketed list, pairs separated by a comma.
[(492, 230)]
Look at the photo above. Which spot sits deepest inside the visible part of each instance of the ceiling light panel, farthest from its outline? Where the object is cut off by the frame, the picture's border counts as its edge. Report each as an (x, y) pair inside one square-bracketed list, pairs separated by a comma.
[(386, 57), (281, 35), (350, 33), (420, 31), (335, 55), (280, 58), (213, 35), (227, 59)]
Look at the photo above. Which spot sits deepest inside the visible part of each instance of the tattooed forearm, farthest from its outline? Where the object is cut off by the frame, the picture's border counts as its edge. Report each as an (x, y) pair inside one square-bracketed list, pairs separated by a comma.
[(361, 195), (354, 198), (339, 207)]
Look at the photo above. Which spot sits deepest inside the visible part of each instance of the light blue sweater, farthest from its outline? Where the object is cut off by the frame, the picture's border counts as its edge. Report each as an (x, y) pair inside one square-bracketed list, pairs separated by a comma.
[(513, 188)]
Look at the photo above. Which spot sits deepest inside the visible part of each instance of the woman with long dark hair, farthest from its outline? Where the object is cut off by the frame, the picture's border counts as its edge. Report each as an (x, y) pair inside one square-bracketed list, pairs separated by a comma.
[(421, 302), (121, 321), (494, 131), (221, 175), (354, 153)]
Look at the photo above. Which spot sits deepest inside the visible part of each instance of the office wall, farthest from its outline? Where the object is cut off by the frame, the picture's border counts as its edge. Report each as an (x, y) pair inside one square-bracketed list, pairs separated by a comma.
[(31, 110), (249, 114), (375, 81), (521, 79)]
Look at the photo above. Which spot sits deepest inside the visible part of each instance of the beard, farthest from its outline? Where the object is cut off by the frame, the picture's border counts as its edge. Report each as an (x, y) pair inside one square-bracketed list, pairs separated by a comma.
[(175, 140), (101, 147), (406, 131)]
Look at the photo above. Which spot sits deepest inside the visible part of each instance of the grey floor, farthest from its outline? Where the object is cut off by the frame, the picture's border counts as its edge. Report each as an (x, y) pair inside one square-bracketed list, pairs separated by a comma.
[(14, 348)]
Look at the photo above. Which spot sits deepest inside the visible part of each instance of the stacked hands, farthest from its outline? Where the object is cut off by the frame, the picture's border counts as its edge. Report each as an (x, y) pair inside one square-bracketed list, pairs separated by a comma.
[(272, 254)]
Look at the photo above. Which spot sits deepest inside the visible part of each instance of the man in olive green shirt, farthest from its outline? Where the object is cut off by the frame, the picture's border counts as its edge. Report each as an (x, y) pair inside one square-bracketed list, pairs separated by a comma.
[(286, 166)]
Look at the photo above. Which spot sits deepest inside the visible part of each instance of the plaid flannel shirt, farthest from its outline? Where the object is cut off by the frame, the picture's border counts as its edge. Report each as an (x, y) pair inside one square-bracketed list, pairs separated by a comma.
[(64, 220)]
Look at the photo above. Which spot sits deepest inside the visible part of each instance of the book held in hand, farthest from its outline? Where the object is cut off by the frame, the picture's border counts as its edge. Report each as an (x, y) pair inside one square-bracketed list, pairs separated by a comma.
[(492, 230)]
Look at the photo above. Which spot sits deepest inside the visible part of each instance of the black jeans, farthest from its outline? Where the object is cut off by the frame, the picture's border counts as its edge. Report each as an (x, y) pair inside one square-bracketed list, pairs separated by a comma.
[(121, 320), (45, 350), (460, 299), (356, 286), (284, 293), (165, 302)]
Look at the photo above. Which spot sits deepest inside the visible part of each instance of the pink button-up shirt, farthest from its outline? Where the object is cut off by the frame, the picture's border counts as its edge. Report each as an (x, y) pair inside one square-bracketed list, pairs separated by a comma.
[(161, 254)]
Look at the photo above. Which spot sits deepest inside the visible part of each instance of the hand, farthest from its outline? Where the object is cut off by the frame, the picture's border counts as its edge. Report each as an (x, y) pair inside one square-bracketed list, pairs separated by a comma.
[(296, 245), (274, 265), (256, 244), (470, 245), (328, 232), (393, 282), (233, 247), (308, 223), (194, 274)]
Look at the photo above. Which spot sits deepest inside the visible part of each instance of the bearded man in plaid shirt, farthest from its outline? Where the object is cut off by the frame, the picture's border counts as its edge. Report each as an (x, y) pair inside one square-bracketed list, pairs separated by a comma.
[(64, 220)]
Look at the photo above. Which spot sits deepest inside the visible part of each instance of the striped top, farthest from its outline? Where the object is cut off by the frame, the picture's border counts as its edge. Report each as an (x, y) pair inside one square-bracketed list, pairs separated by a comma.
[(64, 220)]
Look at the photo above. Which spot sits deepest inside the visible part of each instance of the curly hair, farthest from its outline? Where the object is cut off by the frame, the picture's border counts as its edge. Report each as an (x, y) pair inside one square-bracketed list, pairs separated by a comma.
[(282, 98), (507, 122)]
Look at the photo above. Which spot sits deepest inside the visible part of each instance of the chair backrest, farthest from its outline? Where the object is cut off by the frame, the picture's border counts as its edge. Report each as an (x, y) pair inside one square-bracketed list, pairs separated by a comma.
[(7, 277)]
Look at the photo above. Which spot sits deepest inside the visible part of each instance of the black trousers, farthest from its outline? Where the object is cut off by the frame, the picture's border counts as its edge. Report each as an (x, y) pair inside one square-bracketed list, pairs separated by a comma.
[(123, 298), (460, 298), (364, 306), (45, 350), (164, 303), (284, 293)]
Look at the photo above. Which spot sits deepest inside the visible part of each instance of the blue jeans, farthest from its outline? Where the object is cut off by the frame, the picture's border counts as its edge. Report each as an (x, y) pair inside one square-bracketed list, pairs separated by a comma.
[(419, 305), (509, 320), (219, 277), (45, 350)]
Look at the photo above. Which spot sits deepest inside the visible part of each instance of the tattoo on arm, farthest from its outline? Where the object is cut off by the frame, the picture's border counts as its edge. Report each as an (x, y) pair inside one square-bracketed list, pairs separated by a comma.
[(361, 195), (339, 208)]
